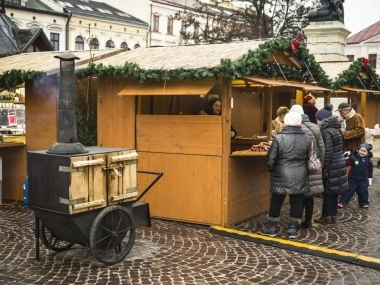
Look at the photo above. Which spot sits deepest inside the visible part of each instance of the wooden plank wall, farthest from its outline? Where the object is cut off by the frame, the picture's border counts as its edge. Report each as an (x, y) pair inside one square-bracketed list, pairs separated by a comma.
[(14, 168), (200, 135), (41, 114), (246, 112), (116, 114), (187, 149), (189, 190), (248, 188)]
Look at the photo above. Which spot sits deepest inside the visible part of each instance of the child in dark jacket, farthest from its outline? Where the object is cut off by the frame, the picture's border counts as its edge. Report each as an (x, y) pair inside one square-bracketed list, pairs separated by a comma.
[(359, 176)]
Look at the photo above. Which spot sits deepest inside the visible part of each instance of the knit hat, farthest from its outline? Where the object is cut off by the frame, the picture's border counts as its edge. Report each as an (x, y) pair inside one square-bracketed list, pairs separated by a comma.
[(366, 146), (309, 98), (297, 109), (325, 112), (343, 106), (292, 119)]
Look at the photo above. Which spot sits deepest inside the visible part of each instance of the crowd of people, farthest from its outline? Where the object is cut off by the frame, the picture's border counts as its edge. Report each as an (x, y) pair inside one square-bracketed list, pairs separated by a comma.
[(331, 133)]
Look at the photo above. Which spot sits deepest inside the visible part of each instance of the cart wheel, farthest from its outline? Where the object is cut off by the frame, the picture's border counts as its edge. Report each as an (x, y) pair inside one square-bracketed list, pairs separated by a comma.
[(112, 234), (51, 242)]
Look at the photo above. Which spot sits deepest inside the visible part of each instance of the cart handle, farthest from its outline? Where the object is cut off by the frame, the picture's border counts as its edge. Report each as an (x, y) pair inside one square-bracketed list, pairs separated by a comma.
[(159, 175)]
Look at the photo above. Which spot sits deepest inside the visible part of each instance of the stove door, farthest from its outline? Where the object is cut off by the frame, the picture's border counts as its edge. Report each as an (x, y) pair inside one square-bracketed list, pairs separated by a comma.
[(87, 189), (122, 176)]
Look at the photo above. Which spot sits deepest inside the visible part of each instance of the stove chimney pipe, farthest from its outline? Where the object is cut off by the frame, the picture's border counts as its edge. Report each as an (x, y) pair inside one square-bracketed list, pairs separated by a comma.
[(67, 139)]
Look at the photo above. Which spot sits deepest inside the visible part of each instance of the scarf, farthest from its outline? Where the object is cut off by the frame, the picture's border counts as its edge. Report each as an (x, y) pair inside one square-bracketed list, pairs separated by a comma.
[(347, 117)]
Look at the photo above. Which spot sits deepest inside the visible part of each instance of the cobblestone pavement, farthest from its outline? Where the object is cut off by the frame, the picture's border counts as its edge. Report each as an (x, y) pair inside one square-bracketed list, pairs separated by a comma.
[(177, 253)]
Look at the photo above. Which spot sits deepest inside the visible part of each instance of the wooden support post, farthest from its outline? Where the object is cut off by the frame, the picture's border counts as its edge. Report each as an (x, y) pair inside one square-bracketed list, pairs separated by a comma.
[(226, 137), (327, 97), (299, 97), (269, 92), (363, 104)]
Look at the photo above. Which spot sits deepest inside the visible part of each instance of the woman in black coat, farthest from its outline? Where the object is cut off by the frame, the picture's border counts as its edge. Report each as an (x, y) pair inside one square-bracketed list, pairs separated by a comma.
[(287, 161), (334, 167)]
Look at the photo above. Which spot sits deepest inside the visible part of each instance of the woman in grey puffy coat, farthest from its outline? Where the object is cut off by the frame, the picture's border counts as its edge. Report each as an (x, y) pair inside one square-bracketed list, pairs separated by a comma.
[(334, 173), (315, 179), (287, 161)]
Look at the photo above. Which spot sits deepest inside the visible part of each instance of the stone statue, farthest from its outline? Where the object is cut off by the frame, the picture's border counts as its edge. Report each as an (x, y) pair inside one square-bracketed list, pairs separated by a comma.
[(331, 10)]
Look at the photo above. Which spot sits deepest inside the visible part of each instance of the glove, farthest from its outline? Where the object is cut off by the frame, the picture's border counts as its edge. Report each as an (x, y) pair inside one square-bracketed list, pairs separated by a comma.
[(346, 154), (369, 181)]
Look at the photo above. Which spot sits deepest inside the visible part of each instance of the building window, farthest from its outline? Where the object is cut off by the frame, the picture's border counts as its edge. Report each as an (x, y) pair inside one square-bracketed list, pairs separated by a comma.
[(123, 45), (54, 39), (110, 44), (351, 57), (94, 44), (13, 1), (372, 60), (170, 26), (79, 43), (155, 23)]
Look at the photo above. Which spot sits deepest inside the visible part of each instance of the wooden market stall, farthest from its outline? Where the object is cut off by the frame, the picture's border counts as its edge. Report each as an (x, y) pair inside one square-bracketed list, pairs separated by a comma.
[(204, 182)]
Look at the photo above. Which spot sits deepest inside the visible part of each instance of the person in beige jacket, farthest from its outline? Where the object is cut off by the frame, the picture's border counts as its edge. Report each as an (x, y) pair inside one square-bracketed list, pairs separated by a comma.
[(352, 127)]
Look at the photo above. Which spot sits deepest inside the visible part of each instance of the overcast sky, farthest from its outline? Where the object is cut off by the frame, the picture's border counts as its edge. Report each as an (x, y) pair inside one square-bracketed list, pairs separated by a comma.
[(360, 14)]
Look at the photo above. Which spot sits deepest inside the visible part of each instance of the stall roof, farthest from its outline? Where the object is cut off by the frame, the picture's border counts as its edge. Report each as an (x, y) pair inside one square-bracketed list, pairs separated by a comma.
[(333, 69), (46, 62), (275, 83), (169, 87), (182, 57), (359, 90)]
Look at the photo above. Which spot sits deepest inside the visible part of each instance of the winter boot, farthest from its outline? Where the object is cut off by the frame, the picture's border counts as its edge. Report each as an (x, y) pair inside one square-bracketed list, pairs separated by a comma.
[(292, 229), (333, 219), (323, 220), (270, 229), (307, 224)]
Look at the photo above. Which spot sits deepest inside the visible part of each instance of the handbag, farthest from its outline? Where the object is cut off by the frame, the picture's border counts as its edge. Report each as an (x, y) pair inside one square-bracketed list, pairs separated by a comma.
[(314, 163)]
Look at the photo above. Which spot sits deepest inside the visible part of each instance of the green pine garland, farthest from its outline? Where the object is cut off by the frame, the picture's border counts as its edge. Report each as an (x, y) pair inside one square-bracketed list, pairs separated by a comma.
[(255, 62)]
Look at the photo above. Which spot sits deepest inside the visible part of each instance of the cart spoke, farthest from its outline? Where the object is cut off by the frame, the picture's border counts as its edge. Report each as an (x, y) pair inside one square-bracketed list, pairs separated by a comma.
[(51, 241), (106, 229), (125, 230), (106, 249), (103, 239)]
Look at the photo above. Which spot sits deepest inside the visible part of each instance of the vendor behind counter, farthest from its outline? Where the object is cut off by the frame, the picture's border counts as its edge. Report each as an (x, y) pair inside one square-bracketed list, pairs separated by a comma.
[(214, 107)]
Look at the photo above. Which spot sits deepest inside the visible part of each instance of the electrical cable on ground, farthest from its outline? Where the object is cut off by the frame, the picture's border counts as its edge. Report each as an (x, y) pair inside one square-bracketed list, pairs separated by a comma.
[(18, 192)]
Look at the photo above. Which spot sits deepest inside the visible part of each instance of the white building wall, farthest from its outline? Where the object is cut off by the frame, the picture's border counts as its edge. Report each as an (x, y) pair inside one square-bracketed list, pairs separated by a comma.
[(144, 10), (132, 35), (371, 46), (161, 38)]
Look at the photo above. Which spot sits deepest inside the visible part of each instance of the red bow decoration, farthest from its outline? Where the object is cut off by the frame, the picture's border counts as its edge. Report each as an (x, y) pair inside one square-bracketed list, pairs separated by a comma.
[(365, 62), (295, 44)]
